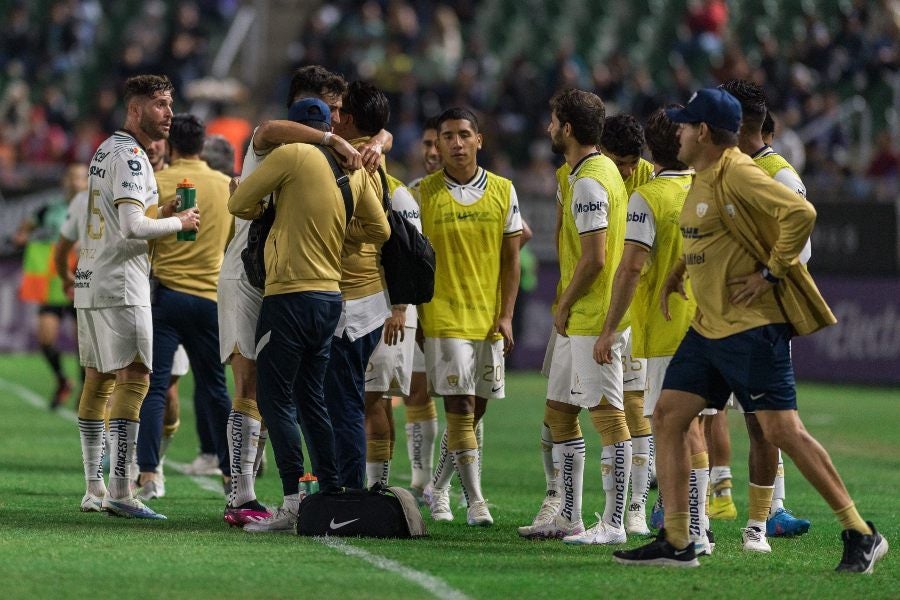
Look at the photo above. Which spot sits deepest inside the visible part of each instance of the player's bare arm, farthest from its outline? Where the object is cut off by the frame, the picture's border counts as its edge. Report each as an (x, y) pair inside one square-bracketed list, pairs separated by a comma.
[(276, 132), (625, 282), (674, 284), (509, 289)]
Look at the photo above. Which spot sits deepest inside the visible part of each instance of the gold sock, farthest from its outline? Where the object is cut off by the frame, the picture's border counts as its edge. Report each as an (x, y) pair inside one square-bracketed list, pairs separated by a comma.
[(563, 426), (127, 398), (760, 502), (677, 531), (94, 397), (610, 424), (638, 424), (850, 519), (378, 450), (246, 406), (461, 432), (417, 414), (700, 460)]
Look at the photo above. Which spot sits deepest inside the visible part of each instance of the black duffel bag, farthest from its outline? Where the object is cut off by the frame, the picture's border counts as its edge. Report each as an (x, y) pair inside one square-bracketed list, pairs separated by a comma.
[(381, 512)]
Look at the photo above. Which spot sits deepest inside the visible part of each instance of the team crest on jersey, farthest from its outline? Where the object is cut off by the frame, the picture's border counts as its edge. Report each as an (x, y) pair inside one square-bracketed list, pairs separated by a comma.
[(453, 380), (135, 166), (702, 207), (729, 208)]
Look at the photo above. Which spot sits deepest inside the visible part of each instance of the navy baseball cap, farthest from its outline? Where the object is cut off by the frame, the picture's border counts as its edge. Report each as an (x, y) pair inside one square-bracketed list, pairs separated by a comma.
[(309, 109), (713, 106)]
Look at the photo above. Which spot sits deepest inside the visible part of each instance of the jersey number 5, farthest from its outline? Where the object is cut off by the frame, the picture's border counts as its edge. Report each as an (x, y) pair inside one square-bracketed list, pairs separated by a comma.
[(95, 234)]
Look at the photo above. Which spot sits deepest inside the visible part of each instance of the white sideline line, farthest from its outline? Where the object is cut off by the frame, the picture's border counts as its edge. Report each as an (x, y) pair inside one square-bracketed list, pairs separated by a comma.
[(430, 583)]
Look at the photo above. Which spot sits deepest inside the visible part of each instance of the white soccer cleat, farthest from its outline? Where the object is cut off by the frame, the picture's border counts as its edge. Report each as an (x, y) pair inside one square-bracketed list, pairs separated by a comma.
[(600, 534), (557, 528), (204, 464), (755, 540), (131, 508), (281, 521), (92, 503), (440, 504), (636, 520), (152, 489), (549, 510), (478, 514)]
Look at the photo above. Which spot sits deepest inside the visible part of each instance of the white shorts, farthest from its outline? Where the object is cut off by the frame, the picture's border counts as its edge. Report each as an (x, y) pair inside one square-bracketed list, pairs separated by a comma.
[(634, 370), (390, 367), (239, 305), (112, 338), (656, 372), (180, 363), (576, 378), (418, 359), (456, 367)]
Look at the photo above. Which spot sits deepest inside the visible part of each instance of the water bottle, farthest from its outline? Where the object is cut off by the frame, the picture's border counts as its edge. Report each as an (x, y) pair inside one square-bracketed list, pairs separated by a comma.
[(187, 196), (308, 485)]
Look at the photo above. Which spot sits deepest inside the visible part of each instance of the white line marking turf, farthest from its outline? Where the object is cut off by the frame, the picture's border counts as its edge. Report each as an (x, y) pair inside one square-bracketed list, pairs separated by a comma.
[(429, 583)]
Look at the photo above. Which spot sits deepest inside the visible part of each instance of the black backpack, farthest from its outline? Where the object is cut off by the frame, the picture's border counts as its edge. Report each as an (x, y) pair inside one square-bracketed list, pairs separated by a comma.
[(253, 256), (381, 512), (407, 257)]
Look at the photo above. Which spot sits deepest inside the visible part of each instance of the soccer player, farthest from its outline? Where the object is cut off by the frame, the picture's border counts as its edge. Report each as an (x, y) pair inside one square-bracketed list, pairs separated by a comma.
[(239, 301), (743, 234), (590, 228), (652, 246), (472, 218), (184, 307), (623, 142), (365, 308), (302, 301), (40, 285), (766, 464), (112, 292)]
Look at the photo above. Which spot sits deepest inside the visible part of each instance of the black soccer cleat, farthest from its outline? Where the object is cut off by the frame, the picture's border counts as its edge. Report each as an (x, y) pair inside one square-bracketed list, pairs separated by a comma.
[(659, 552), (861, 552)]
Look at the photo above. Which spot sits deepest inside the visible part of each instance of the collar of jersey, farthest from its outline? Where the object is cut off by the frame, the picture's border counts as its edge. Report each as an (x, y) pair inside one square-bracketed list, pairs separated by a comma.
[(478, 181), (764, 151)]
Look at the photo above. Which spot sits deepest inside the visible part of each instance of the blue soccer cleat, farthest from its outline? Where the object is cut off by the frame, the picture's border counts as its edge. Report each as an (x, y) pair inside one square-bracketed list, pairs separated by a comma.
[(130, 508), (657, 516), (784, 524)]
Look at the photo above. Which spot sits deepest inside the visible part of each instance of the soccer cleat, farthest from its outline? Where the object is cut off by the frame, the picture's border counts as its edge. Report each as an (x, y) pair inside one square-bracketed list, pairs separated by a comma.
[(130, 507), (249, 512), (281, 521), (755, 540), (657, 515), (549, 510), (440, 504), (600, 534), (556, 528), (478, 514), (659, 552), (422, 496), (152, 488), (92, 503), (722, 508), (785, 524), (861, 552), (204, 464), (636, 520), (63, 390)]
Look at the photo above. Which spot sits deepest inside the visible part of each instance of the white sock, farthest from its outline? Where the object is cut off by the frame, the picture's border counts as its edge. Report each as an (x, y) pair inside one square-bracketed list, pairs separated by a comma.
[(640, 471), (122, 437), (243, 446), (164, 444), (571, 474), (420, 438), (697, 487), (615, 469), (93, 443), (292, 503), (479, 437), (444, 470), (778, 495), (550, 458), (652, 457), (377, 471), (466, 462)]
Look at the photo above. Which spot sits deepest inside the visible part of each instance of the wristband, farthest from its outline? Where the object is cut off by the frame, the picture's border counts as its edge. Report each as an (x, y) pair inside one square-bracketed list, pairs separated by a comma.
[(767, 275), (327, 138)]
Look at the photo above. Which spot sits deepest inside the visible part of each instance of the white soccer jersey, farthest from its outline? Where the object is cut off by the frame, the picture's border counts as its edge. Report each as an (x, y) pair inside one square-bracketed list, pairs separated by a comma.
[(590, 204), (232, 265), (471, 192), (403, 202), (112, 269), (76, 217)]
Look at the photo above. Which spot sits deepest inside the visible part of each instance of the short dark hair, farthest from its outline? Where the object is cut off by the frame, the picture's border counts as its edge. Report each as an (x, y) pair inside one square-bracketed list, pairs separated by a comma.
[(458, 113), (218, 154), (768, 124), (722, 137), (623, 136), (661, 135), (584, 111), (187, 133), (146, 85), (431, 123), (368, 106), (315, 80), (752, 98)]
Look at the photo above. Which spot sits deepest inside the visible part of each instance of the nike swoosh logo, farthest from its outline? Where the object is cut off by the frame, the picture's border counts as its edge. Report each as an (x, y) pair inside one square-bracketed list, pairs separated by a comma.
[(370, 379), (465, 216), (334, 525), (574, 393), (680, 552), (497, 389), (630, 380), (756, 396)]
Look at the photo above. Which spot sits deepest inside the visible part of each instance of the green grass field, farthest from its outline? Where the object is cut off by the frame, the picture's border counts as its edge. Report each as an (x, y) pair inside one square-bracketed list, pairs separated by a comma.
[(49, 549)]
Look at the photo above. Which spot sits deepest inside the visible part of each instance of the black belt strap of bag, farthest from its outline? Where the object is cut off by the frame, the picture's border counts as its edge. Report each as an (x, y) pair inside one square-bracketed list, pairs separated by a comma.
[(253, 256)]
